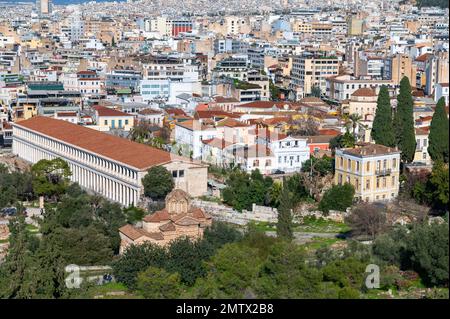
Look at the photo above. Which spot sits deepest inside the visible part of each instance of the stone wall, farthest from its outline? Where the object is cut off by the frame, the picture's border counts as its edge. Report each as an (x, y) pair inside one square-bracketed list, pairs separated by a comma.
[(228, 214), (260, 213)]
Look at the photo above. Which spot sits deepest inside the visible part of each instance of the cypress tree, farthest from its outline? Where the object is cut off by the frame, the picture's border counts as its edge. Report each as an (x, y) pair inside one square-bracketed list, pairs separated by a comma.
[(382, 129), (284, 225), (404, 122), (438, 137)]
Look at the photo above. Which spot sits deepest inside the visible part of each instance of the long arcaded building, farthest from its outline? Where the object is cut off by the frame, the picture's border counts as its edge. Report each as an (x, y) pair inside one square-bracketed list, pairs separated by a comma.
[(106, 164)]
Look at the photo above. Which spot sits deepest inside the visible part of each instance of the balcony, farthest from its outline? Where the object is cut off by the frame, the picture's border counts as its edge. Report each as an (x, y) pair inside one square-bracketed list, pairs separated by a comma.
[(383, 172)]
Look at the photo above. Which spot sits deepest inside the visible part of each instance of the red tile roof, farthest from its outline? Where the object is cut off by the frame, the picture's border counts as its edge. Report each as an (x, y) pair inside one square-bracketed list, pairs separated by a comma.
[(329, 132), (116, 148), (364, 92), (157, 217), (106, 111)]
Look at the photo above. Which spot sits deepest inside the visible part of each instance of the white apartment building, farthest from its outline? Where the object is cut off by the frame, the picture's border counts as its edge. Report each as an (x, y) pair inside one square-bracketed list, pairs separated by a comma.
[(290, 153), (190, 134), (342, 87), (166, 77)]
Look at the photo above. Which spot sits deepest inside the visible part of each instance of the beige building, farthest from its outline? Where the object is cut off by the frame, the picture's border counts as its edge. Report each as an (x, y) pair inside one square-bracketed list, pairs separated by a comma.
[(373, 170), (401, 65), (177, 219), (355, 26), (108, 119), (421, 154), (364, 103), (310, 71)]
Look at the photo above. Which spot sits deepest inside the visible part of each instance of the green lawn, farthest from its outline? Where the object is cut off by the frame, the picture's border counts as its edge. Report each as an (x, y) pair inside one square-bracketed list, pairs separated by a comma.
[(321, 242), (4, 241), (32, 229), (321, 225), (113, 290)]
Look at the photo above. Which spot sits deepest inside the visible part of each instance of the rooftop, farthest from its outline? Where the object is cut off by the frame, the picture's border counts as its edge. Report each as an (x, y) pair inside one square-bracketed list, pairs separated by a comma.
[(115, 148)]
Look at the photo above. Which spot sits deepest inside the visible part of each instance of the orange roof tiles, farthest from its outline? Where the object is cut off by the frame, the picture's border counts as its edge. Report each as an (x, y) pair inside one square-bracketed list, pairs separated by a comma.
[(157, 217), (115, 148), (106, 111), (364, 92)]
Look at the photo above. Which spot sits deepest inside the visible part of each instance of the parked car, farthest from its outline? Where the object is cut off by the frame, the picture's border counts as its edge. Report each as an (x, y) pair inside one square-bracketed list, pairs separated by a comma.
[(8, 211), (279, 172)]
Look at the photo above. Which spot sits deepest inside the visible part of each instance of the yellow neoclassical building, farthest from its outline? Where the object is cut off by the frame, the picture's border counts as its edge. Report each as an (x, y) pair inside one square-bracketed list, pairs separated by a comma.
[(373, 170)]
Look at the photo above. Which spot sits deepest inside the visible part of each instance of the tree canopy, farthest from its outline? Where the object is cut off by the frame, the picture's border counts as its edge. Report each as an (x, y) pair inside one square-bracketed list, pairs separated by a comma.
[(382, 127), (158, 182), (438, 136)]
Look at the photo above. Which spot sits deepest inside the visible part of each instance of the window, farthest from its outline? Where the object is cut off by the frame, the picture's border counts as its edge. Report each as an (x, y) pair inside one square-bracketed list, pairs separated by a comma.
[(394, 163), (384, 164), (368, 184), (384, 182), (424, 155), (340, 179), (357, 166), (256, 163), (181, 173), (279, 159), (106, 122), (341, 161), (113, 123), (349, 164), (126, 122), (368, 166), (174, 174), (393, 180), (378, 183)]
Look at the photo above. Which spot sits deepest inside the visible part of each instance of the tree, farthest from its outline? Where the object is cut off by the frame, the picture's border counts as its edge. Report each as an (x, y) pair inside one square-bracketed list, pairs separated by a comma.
[(346, 273), (354, 121), (343, 141), (404, 122), (428, 248), (367, 219), (15, 270), (274, 91), (297, 188), (286, 274), (315, 91), (284, 224), (185, 258), (156, 283), (158, 182), (320, 166), (244, 190), (382, 128), (438, 137), (50, 177), (438, 186), (391, 247), (232, 272), (338, 197), (134, 214), (220, 233), (305, 126), (138, 258)]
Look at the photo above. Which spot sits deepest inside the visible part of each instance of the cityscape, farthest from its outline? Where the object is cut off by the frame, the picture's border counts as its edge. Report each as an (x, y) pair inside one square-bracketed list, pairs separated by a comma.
[(292, 149)]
